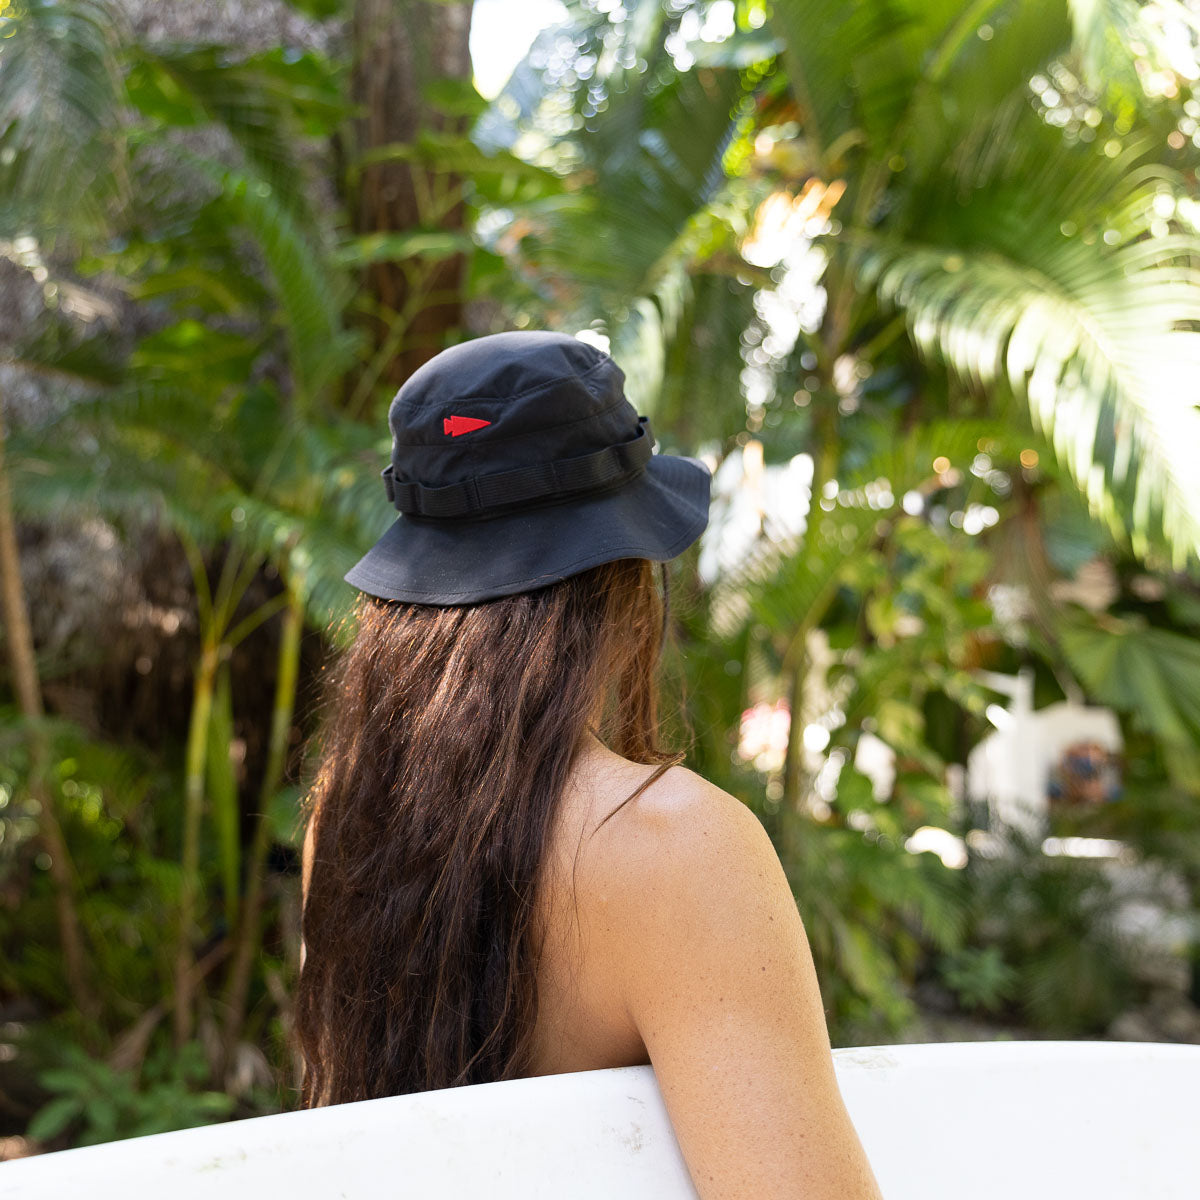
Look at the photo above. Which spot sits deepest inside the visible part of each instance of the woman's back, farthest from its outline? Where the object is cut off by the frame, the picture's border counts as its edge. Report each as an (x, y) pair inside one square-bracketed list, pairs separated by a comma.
[(582, 1023)]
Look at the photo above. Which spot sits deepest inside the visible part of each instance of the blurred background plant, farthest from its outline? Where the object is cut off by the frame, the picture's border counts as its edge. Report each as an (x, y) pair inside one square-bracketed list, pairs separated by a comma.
[(919, 280)]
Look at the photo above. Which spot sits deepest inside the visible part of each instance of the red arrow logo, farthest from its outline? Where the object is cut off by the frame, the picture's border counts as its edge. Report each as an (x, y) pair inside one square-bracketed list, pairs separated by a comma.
[(453, 426)]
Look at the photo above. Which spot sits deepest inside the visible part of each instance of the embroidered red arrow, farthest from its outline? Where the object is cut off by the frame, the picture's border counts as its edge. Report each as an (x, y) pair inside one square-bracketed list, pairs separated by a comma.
[(453, 426)]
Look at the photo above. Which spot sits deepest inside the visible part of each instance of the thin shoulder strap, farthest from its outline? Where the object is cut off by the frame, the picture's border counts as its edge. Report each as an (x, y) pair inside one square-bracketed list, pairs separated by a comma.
[(657, 773)]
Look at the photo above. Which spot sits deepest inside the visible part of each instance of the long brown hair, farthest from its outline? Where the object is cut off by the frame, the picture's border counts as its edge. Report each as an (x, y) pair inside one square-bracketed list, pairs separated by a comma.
[(449, 740)]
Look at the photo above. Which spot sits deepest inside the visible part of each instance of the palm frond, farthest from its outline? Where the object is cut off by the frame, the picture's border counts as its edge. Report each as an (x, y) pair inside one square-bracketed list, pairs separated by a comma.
[(305, 497), (1114, 37), (265, 101), (963, 75), (60, 102), (311, 292), (863, 74), (699, 400), (823, 39), (132, 478), (57, 349), (651, 167), (647, 207), (680, 347), (1082, 306)]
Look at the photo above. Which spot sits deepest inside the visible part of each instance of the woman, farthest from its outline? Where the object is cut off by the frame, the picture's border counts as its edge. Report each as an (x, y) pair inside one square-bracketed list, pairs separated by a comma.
[(496, 885)]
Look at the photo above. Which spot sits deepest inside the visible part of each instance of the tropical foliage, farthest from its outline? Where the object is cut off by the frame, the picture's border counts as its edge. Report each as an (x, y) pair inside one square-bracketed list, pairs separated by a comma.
[(919, 279)]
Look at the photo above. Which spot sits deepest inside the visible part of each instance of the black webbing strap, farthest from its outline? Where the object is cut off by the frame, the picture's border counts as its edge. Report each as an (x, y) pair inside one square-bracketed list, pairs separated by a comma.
[(508, 489)]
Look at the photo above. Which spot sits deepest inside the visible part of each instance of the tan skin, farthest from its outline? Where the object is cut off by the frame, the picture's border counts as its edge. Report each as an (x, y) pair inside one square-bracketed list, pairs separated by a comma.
[(671, 937)]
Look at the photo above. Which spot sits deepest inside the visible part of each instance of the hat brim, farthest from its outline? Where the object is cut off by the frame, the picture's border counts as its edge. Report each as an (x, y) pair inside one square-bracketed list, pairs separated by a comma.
[(656, 516)]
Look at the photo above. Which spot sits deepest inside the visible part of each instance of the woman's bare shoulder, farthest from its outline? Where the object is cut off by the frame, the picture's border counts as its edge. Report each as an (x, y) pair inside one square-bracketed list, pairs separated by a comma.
[(682, 860), (696, 926), (681, 824)]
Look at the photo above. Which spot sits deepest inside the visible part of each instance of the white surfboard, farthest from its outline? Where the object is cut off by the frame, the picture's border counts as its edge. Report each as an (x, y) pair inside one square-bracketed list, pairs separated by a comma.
[(975, 1121)]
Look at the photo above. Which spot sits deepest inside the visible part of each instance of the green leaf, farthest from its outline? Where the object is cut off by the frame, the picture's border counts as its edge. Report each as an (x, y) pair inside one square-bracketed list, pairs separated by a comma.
[(452, 153), (67, 1079), (432, 244), (320, 9), (189, 347), (455, 98), (892, 76), (51, 1119), (1152, 674), (198, 288), (284, 814), (854, 791), (820, 66), (57, 350)]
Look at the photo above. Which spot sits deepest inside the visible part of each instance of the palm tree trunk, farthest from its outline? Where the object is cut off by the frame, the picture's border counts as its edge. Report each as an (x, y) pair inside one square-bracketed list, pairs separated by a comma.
[(400, 47), (29, 698)]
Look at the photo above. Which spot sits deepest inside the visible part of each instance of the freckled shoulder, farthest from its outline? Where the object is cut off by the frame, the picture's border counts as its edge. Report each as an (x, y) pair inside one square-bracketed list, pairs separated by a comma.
[(682, 848), (684, 820), (708, 956)]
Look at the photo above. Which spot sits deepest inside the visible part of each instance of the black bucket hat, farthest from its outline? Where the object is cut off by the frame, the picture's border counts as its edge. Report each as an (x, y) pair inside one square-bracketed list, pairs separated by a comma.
[(517, 462)]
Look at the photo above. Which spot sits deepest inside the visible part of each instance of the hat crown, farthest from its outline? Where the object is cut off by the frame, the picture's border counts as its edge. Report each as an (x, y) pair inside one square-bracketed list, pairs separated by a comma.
[(504, 401), (499, 366)]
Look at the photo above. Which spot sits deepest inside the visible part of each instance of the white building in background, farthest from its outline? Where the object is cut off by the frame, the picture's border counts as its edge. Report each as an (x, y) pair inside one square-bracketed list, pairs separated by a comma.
[(1012, 769)]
